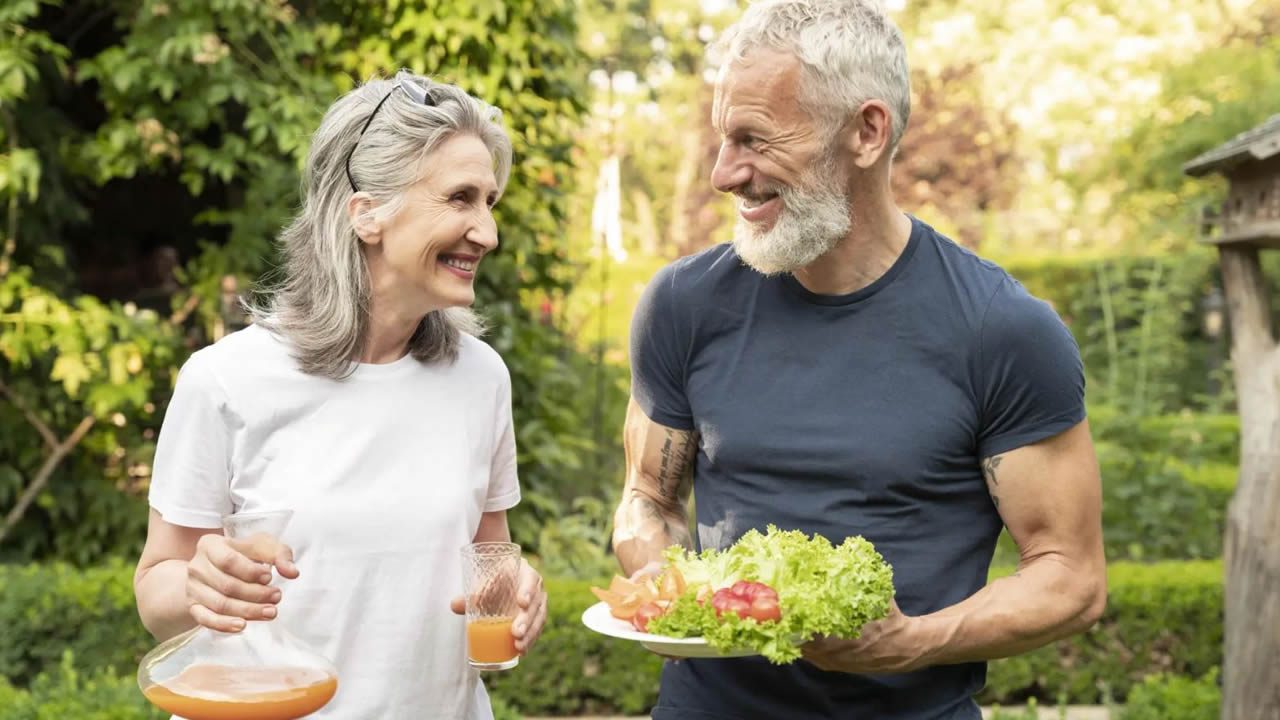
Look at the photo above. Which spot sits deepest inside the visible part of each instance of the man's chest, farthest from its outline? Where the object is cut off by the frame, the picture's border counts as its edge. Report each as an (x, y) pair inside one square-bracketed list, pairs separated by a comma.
[(865, 407)]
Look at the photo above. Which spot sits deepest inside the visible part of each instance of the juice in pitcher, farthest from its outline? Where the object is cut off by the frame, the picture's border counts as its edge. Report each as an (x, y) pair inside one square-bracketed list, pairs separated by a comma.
[(221, 692), (263, 672)]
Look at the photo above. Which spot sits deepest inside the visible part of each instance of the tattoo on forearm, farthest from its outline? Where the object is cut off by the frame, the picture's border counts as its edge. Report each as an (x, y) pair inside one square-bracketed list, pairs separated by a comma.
[(654, 520), (989, 472), (677, 457)]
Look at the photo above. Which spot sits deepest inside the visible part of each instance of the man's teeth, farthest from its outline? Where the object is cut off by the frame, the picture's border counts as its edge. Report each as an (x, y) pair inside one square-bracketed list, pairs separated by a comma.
[(755, 202), (460, 264)]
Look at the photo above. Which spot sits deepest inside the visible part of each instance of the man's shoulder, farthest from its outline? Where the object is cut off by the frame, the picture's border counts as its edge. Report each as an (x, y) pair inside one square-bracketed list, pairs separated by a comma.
[(981, 283), (704, 273), (982, 274)]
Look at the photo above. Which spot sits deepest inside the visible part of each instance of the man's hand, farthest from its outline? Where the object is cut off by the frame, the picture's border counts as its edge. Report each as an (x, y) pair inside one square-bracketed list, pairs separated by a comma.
[(889, 645)]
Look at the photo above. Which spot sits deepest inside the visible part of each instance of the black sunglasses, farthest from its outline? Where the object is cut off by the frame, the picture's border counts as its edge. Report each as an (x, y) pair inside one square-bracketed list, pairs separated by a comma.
[(404, 83)]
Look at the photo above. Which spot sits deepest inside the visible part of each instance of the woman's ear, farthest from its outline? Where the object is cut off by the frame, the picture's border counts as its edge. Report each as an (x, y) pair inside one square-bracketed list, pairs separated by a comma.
[(360, 210)]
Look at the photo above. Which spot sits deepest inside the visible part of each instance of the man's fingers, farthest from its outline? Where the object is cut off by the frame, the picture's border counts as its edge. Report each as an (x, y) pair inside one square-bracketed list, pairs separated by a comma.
[(650, 570)]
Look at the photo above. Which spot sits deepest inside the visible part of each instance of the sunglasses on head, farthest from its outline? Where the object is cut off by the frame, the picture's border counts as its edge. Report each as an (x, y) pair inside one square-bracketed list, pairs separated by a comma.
[(403, 82)]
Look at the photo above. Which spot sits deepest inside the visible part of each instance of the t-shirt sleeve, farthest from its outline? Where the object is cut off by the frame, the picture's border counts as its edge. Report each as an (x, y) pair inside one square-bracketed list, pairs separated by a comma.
[(1032, 377), (191, 473), (504, 483), (659, 349)]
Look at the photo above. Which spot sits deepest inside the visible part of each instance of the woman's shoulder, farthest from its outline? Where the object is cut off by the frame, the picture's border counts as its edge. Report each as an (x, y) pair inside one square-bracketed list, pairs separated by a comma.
[(252, 349), (477, 356)]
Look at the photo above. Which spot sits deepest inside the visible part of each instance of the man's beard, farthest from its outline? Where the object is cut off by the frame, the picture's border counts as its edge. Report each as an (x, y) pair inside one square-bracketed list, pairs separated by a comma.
[(813, 219)]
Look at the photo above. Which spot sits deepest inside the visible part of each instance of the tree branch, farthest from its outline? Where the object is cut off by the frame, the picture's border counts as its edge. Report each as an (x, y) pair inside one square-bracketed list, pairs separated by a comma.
[(50, 440), (44, 473), (11, 237)]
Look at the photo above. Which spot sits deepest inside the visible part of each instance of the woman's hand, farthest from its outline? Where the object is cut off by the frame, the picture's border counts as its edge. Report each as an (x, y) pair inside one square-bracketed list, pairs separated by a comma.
[(532, 600), (228, 581)]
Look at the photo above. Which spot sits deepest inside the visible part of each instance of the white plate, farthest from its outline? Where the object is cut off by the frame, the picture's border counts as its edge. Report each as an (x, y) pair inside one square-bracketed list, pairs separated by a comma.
[(598, 618)]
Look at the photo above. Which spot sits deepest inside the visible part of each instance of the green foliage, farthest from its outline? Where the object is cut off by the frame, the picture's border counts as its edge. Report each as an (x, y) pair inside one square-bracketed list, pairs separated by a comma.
[(1162, 617), (1173, 697), (66, 692), (1165, 617), (120, 117), (1153, 470), (503, 711), (1205, 99), (48, 609)]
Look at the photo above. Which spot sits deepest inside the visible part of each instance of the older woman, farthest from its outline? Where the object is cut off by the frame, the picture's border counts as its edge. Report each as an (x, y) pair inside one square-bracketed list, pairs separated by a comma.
[(361, 400)]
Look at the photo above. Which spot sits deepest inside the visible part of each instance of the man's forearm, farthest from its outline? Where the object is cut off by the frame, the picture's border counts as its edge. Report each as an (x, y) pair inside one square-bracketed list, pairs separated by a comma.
[(644, 528), (1047, 599), (161, 592)]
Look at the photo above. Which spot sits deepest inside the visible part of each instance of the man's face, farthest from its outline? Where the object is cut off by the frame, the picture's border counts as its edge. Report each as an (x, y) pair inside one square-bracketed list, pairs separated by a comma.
[(792, 203)]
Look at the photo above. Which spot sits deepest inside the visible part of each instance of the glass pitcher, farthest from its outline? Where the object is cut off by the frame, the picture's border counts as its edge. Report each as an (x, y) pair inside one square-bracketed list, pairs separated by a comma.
[(260, 673)]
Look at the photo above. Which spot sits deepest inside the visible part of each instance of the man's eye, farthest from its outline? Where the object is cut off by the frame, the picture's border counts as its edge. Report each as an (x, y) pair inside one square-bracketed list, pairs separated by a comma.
[(458, 197)]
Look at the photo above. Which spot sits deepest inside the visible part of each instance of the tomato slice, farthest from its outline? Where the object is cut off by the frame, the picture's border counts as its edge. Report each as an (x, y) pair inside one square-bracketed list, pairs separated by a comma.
[(644, 614)]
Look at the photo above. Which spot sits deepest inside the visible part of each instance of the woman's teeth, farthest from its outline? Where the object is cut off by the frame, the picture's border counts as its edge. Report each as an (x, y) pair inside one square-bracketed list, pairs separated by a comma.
[(460, 264)]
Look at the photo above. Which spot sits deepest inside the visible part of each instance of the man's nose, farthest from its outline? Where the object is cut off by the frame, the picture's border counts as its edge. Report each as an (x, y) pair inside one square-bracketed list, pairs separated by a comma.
[(730, 171)]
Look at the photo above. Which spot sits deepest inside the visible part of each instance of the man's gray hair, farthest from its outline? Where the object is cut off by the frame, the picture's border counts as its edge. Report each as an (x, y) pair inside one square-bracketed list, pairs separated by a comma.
[(321, 305), (851, 51)]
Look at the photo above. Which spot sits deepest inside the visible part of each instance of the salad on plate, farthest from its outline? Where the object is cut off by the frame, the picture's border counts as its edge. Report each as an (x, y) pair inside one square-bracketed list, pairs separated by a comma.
[(767, 594)]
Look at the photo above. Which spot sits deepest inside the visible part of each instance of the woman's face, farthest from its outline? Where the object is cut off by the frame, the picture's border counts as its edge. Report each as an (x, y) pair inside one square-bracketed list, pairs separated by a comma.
[(427, 256)]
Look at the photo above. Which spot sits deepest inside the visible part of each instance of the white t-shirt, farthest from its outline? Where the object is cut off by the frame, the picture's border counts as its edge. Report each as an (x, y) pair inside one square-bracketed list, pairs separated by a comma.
[(387, 473)]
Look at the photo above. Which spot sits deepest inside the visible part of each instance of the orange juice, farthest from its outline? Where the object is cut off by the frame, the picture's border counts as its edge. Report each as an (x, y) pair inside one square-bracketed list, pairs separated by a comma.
[(489, 640), (221, 692)]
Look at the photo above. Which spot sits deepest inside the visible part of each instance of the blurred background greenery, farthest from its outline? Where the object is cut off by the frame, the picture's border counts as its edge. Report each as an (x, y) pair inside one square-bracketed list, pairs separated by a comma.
[(149, 152)]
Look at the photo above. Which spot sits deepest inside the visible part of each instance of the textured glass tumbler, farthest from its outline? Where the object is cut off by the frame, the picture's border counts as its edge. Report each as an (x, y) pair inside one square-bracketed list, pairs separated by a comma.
[(490, 577)]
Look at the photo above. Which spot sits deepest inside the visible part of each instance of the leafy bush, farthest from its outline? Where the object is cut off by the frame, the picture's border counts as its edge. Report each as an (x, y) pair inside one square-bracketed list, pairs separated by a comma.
[(46, 610), (1174, 697), (66, 693), (1161, 618)]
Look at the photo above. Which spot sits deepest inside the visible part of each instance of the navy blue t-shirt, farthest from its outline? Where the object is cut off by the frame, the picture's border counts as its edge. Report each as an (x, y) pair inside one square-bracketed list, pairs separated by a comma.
[(862, 414)]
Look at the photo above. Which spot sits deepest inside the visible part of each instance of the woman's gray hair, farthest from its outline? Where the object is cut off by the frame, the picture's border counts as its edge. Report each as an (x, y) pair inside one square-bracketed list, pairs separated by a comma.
[(851, 51), (321, 304)]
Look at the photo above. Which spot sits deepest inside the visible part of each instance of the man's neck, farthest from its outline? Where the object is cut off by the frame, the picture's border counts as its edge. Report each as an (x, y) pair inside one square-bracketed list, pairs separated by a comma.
[(876, 241)]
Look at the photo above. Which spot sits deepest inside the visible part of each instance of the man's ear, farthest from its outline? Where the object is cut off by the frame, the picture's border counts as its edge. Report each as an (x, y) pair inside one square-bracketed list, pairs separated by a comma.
[(868, 133), (360, 210)]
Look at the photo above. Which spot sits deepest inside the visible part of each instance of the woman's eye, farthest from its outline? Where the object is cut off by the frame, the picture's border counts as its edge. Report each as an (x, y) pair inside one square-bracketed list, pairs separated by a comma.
[(458, 197)]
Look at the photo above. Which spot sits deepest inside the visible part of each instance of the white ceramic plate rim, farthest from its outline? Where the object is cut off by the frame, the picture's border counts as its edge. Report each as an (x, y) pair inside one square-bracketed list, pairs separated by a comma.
[(598, 618)]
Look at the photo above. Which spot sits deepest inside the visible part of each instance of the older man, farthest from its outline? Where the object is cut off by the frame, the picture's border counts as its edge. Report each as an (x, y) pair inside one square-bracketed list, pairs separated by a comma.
[(842, 368)]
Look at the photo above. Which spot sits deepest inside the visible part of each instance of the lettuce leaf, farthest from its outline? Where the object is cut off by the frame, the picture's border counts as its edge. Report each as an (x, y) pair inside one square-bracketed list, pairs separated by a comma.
[(823, 591)]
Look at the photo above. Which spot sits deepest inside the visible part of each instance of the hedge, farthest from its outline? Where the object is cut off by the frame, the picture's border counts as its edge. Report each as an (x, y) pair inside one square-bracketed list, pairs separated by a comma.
[(1161, 618)]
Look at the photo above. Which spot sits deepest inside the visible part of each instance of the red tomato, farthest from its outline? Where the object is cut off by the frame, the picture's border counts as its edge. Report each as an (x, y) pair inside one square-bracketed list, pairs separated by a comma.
[(724, 601), (644, 614), (765, 609)]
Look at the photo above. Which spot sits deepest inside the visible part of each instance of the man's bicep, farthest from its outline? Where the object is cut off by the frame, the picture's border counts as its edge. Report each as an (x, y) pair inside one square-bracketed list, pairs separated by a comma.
[(660, 459), (1049, 494)]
